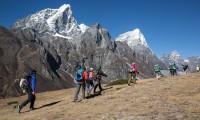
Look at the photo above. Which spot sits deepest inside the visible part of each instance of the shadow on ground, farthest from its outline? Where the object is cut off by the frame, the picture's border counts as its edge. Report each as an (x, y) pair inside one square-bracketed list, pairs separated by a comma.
[(46, 105), (98, 93)]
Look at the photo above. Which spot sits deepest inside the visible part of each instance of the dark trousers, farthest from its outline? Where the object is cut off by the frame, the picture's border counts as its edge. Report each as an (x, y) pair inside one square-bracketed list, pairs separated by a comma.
[(98, 84), (31, 99), (173, 72)]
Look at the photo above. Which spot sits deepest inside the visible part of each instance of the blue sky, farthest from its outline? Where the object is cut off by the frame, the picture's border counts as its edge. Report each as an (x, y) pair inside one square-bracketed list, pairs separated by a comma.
[(166, 24)]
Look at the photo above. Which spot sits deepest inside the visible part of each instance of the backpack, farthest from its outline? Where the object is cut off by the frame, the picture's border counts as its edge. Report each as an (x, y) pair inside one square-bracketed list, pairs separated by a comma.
[(156, 68), (79, 75), (171, 67), (174, 67), (23, 84), (185, 67), (94, 75), (131, 69)]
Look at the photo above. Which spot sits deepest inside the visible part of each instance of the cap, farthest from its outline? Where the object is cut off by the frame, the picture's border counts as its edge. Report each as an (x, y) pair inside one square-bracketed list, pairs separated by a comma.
[(91, 69)]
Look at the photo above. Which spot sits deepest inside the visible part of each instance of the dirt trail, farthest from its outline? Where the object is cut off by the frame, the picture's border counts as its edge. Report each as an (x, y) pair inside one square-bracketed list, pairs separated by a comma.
[(176, 98)]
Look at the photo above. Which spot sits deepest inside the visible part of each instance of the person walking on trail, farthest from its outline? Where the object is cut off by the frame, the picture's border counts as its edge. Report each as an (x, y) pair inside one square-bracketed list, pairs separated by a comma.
[(90, 82), (173, 69), (133, 72), (80, 79), (99, 73), (197, 68), (185, 67), (157, 71), (30, 90)]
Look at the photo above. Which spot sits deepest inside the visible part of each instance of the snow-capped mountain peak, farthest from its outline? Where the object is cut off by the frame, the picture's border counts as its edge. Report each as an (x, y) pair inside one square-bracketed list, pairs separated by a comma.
[(63, 11), (175, 56), (64, 7), (52, 21), (133, 38), (136, 41)]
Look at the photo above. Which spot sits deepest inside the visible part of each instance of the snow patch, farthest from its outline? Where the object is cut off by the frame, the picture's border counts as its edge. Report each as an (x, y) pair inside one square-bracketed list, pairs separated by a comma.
[(59, 35), (187, 60), (83, 27)]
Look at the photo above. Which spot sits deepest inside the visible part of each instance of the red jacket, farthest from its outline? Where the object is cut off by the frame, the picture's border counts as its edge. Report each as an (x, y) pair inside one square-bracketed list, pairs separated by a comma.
[(85, 76)]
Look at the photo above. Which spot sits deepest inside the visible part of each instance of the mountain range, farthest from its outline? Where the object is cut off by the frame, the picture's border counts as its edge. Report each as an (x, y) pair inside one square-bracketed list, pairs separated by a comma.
[(52, 42), (175, 57)]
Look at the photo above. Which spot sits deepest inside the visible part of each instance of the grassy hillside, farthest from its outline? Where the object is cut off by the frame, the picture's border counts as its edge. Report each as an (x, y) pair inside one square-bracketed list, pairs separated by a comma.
[(172, 98)]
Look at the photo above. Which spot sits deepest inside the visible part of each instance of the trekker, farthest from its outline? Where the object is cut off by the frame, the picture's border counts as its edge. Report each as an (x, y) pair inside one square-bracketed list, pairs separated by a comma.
[(99, 73), (185, 67), (173, 69), (157, 71), (80, 78), (197, 68), (133, 72), (90, 82), (30, 90)]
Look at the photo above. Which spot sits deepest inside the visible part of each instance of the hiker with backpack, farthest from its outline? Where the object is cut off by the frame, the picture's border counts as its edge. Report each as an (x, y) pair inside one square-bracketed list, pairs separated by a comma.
[(28, 84), (132, 73), (185, 67), (80, 80), (173, 69), (90, 82), (98, 75), (157, 71), (197, 68)]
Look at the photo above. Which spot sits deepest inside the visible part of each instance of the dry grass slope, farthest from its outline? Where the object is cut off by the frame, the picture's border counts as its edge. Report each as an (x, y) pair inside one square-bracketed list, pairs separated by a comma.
[(172, 98)]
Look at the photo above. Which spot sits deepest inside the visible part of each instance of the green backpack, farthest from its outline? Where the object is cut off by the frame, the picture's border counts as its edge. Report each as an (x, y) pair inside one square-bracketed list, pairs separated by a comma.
[(156, 68)]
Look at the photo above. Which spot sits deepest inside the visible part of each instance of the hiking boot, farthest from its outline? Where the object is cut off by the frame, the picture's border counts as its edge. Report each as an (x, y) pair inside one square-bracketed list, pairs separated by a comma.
[(18, 109), (32, 108), (102, 90)]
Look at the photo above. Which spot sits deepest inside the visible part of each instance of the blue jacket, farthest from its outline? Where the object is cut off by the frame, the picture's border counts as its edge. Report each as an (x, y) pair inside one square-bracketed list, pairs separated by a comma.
[(33, 82)]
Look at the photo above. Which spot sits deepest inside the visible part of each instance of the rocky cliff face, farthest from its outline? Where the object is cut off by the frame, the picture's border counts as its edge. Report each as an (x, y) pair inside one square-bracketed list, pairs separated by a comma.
[(9, 47), (21, 52)]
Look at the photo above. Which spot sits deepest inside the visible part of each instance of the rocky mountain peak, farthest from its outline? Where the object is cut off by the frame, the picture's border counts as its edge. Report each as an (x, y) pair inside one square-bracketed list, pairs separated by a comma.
[(65, 7), (133, 38), (52, 21), (97, 25), (175, 56)]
